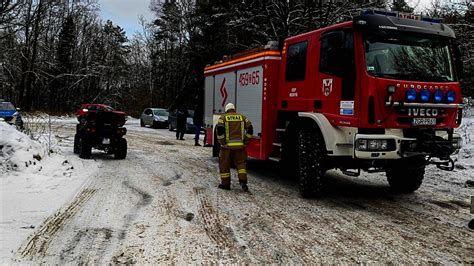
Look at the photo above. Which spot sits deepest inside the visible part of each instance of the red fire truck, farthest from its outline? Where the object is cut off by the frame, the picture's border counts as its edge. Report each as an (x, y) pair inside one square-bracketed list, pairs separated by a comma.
[(380, 93)]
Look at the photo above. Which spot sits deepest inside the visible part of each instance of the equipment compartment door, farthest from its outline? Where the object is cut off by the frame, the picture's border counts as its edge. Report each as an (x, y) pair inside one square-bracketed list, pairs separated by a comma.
[(208, 100), (224, 91), (249, 96)]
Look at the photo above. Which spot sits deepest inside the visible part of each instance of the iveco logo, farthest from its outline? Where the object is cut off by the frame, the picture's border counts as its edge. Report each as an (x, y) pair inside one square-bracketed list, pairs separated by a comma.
[(422, 112)]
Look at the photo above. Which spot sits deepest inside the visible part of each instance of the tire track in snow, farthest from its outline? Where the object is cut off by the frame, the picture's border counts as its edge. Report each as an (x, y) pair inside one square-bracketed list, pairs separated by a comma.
[(38, 243), (222, 235), (87, 247)]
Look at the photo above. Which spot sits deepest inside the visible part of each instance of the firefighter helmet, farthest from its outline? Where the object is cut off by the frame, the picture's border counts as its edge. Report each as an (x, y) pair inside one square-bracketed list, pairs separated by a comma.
[(229, 106)]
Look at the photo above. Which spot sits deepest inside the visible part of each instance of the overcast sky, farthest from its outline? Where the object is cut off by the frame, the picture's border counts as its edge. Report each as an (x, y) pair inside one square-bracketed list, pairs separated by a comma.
[(125, 13)]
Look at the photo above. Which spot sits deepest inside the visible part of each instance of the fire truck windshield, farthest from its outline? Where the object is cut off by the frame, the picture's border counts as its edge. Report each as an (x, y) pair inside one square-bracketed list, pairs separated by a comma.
[(408, 57)]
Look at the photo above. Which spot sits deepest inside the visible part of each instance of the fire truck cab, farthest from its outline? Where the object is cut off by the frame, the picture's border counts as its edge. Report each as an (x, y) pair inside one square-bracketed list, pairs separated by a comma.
[(379, 93)]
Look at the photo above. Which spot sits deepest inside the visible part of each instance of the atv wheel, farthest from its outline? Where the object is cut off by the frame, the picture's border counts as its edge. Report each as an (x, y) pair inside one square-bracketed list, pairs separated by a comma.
[(406, 176), (142, 124), (311, 162), (76, 143), (85, 148), (121, 149)]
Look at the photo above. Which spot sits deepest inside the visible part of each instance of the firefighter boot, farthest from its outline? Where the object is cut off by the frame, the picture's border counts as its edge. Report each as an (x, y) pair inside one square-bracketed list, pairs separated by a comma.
[(224, 186), (243, 185)]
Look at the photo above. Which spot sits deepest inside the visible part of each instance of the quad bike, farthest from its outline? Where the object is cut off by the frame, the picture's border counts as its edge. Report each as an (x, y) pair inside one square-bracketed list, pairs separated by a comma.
[(102, 131)]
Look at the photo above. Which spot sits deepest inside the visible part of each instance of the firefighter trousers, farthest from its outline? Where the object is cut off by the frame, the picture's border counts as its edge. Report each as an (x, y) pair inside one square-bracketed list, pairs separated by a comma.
[(239, 157)]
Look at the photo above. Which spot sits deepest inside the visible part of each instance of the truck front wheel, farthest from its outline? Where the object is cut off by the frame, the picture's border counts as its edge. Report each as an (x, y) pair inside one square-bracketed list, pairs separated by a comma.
[(311, 162), (406, 176)]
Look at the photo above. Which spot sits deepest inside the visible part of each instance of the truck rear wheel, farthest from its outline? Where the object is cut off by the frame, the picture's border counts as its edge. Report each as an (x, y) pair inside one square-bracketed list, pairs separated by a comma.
[(311, 162), (121, 149), (406, 176), (76, 143), (142, 124), (85, 149)]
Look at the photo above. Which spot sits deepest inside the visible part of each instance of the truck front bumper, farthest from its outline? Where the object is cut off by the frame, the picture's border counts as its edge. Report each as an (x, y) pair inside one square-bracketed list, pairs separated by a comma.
[(393, 145)]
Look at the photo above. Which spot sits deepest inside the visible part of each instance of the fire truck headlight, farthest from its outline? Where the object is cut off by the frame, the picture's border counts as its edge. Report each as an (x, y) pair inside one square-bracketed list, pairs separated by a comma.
[(361, 144), (438, 96), (375, 145), (384, 145), (457, 143), (425, 96), (411, 95), (451, 96)]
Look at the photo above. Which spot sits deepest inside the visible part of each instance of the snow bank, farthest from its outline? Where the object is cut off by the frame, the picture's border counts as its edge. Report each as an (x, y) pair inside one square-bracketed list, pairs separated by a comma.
[(18, 152), (465, 156), (33, 184)]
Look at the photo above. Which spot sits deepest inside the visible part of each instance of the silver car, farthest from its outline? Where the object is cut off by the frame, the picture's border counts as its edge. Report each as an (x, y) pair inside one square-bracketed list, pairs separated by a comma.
[(154, 117)]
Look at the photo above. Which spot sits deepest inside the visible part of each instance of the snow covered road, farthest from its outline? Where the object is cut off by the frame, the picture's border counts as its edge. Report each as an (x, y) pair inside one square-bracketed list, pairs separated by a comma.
[(161, 205)]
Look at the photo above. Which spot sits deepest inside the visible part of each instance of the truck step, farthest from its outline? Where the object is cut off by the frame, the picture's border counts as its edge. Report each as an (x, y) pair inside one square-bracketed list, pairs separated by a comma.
[(277, 144), (275, 159)]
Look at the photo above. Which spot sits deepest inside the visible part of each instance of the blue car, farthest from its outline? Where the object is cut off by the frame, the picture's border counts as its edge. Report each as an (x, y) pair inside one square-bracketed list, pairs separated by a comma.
[(10, 114)]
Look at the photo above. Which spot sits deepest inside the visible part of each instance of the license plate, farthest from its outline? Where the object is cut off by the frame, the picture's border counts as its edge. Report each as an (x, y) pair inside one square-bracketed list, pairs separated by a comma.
[(424, 121), (106, 141)]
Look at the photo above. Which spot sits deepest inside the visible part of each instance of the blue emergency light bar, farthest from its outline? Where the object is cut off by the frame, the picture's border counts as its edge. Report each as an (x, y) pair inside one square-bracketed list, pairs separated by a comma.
[(388, 13)]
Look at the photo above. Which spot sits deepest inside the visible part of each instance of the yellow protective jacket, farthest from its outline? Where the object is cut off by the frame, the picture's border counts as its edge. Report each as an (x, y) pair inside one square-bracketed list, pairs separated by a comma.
[(233, 130)]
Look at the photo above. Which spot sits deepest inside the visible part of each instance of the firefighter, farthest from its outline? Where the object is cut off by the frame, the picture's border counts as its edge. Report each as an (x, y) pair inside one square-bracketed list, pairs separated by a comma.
[(233, 133)]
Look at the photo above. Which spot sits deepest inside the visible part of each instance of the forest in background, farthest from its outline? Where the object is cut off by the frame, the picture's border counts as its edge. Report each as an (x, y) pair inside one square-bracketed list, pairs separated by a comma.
[(55, 55)]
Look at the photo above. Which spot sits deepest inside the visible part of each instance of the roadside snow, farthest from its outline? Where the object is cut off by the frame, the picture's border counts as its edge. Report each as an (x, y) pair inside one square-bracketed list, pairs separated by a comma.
[(18, 152), (465, 156), (33, 184)]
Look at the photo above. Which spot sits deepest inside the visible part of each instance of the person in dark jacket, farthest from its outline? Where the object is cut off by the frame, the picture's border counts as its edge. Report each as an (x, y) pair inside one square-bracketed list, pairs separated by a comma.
[(181, 117)]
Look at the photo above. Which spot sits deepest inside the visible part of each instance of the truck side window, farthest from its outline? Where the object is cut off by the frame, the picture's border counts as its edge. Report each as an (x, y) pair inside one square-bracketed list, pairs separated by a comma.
[(337, 58), (296, 61)]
